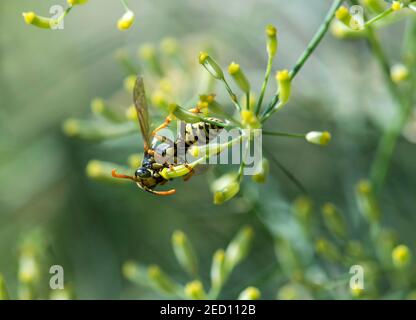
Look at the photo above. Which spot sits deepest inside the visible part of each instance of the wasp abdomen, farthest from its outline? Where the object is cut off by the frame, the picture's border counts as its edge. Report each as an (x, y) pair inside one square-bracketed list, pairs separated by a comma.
[(201, 132)]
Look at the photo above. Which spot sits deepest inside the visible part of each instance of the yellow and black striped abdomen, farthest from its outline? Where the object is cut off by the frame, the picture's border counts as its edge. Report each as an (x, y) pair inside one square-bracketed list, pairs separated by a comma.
[(201, 132)]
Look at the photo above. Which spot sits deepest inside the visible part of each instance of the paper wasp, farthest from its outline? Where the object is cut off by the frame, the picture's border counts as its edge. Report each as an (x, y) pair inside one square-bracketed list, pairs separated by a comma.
[(150, 174)]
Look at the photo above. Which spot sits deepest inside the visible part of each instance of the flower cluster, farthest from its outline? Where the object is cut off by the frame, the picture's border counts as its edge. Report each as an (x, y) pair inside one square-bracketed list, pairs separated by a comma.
[(169, 85), (223, 264), (33, 272), (124, 23), (384, 260)]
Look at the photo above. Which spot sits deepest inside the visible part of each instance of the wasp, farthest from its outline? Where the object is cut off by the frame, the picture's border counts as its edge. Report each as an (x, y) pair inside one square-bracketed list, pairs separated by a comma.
[(149, 175)]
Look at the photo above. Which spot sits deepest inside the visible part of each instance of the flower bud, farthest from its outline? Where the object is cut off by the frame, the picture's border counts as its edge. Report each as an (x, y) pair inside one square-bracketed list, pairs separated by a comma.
[(367, 201), (126, 21), (135, 273), (399, 73), (61, 294), (131, 113), (25, 292), (249, 119), (250, 293), (333, 220), (284, 84), (135, 160), (272, 43), (125, 60), (341, 31), (210, 65), (239, 77), (161, 281), (302, 208), (327, 250), (4, 294), (129, 83), (182, 114), (218, 272), (169, 46), (195, 290), (292, 291), (263, 171), (225, 188), (401, 256), (184, 253), (396, 5), (175, 172), (101, 171), (238, 248), (76, 2), (343, 15), (355, 249), (147, 52), (38, 21), (207, 103), (159, 100), (100, 108), (319, 138), (28, 272), (356, 291)]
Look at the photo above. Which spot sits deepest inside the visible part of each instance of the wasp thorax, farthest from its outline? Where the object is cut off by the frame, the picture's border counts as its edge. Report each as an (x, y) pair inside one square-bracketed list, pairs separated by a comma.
[(143, 173)]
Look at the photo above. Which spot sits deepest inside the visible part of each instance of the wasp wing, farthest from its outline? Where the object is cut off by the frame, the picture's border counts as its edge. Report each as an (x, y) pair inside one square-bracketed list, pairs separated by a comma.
[(139, 98)]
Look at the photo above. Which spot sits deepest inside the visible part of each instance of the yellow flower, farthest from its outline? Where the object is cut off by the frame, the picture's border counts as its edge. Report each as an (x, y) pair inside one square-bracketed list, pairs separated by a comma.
[(169, 46), (126, 21), (75, 2), (239, 77), (210, 65), (38, 21), (401, 256), (225, 188), (396, 5), (71, 127), (343, 15), (284, 83), (131, 113), (251, 293), (249, 119), (399, 73), (272, 43), (147, 51), (319, 138), (195, 290)]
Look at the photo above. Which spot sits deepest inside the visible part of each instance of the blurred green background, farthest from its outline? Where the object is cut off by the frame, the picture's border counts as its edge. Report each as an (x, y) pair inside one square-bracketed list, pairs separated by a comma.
[(91, 228)]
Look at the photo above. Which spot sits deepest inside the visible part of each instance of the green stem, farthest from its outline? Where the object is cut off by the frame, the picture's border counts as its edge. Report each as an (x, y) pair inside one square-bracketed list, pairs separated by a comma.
[(284, 134), (231, 93), (378, 17), (387, 144), (124, 3), (248, 100), (264, 85), (305, 55)]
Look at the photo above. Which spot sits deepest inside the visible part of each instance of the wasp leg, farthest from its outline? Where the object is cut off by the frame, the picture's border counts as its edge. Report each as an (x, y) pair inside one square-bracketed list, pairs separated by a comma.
[(161, 193), (122, 176), (189, 174), (163, 139), (162, 126), (195, 110)]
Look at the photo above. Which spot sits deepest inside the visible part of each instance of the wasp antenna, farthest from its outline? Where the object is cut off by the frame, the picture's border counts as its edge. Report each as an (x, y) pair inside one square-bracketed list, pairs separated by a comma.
[(121, 176), (164, 193)]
